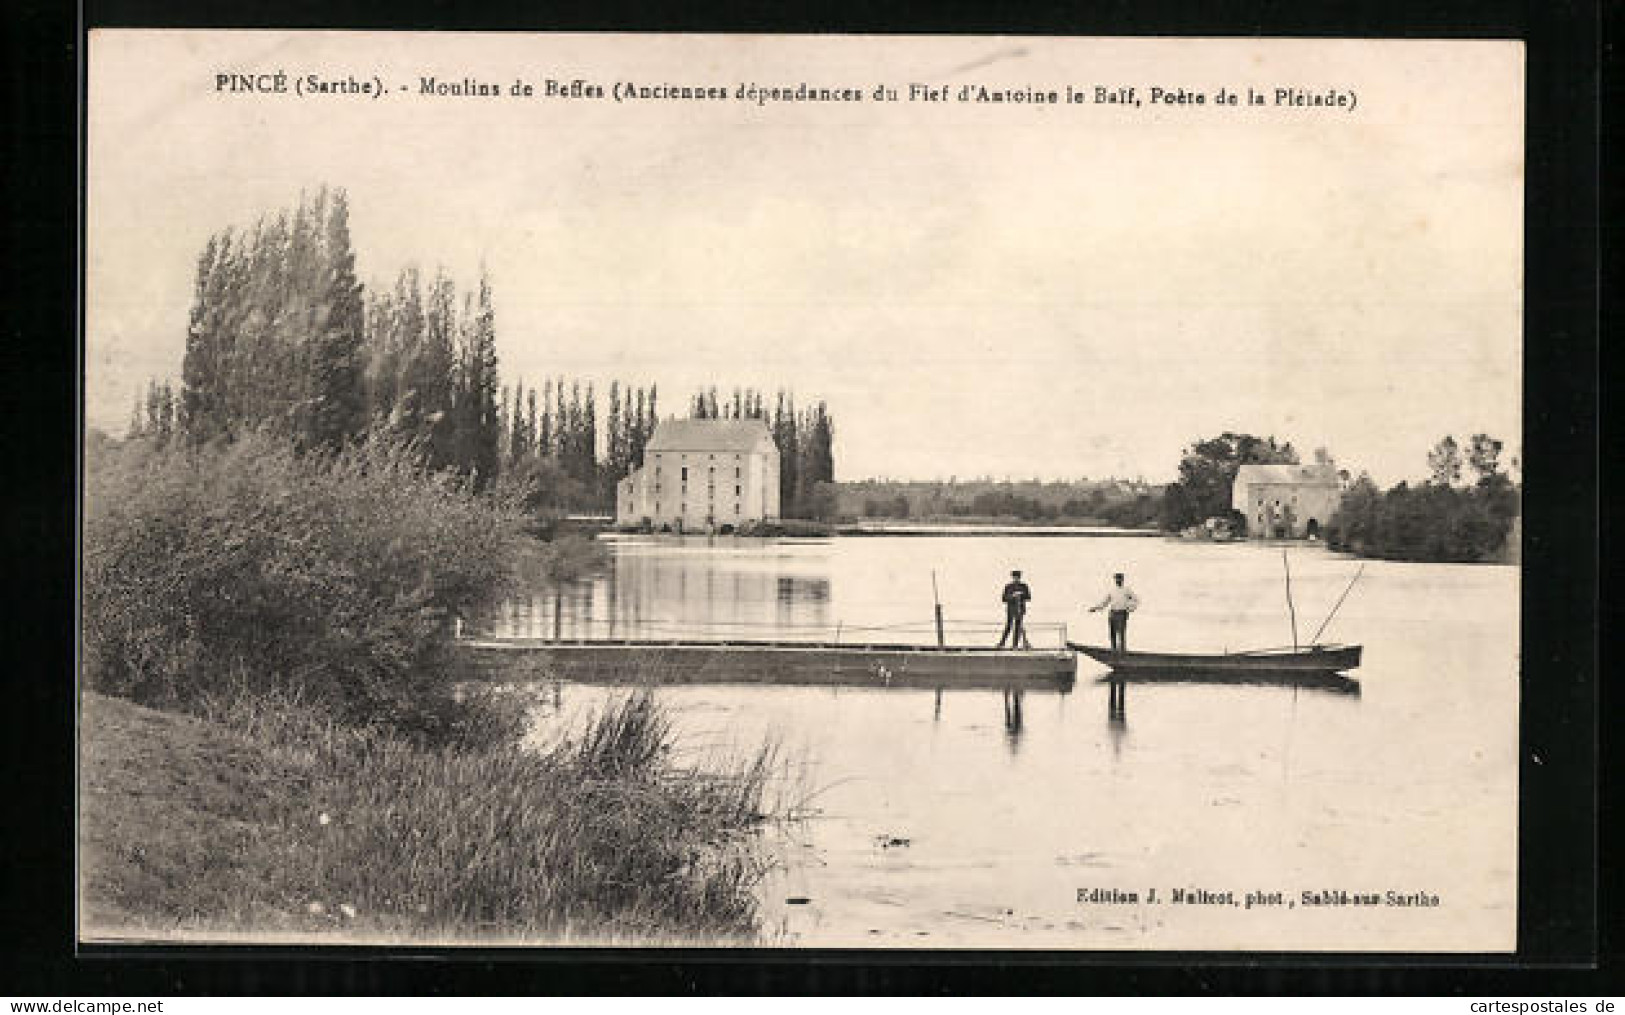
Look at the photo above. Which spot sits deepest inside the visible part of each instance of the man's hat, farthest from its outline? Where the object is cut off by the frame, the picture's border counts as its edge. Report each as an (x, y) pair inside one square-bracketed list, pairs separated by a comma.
[(1015, 574), (1119, 574)]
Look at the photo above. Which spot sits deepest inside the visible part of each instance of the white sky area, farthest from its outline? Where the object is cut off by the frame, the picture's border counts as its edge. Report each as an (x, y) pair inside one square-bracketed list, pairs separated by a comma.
[(1011, 290)]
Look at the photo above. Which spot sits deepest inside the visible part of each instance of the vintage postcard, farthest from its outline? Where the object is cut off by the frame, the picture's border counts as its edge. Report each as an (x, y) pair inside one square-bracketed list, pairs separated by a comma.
[(801, 491)]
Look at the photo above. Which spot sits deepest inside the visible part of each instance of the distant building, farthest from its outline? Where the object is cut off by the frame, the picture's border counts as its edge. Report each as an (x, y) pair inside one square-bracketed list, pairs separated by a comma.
[(1287, 501), (701, 475)]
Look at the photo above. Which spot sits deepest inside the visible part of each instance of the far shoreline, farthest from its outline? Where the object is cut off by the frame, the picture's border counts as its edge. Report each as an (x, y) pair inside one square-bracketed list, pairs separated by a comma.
[(930, 529), (798, 529)]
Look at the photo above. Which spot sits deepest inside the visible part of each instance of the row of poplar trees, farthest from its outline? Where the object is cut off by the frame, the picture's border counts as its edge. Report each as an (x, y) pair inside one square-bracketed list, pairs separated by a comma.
[(282, 335), (548, 428)]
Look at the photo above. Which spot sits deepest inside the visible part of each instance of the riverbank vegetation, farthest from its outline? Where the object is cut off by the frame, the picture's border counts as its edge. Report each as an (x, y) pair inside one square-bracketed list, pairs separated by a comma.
[(264, 818), (274, 562), (274, 742), (1448, 518), (335, 575)]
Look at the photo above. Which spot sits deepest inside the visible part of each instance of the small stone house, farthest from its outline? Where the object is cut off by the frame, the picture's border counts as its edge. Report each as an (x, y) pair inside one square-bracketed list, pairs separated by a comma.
[(1287, 501), (703, 475)]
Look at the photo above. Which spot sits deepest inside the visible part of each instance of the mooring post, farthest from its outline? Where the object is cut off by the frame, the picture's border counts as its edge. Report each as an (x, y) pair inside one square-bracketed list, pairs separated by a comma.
[(937, 600)]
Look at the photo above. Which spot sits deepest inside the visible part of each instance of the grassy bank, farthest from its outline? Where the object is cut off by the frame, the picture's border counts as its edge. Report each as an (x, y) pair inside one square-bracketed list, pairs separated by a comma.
[(269, 821), (275, 743)]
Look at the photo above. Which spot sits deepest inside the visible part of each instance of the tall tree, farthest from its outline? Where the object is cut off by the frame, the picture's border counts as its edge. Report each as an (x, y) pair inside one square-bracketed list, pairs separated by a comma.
[(589, 440), (615, 436), (276, 329), (785, 439), (404, 341), (535, 448), (477, 415), (338, 323), (208, 344), (506, 408), (639, 435), (1483, 456), (562, 435), (519, 439), (1207, 472), (574, 466), (434, 372), (544, 435), (1444, 462)]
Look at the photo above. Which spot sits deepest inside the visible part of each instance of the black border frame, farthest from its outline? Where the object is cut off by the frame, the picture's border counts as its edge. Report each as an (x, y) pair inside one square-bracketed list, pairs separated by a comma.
[(1559, 801)]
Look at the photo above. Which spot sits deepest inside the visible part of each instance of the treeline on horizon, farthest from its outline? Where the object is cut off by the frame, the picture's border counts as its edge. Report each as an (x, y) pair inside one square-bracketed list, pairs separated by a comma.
[(283, 337), (1466, 511), (1122, 503)]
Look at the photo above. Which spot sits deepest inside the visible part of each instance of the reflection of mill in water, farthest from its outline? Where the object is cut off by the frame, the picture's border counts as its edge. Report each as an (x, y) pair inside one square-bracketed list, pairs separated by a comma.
[(669, 593)]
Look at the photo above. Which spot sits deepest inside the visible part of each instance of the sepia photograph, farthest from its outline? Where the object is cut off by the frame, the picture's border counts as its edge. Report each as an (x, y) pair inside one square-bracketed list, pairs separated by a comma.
[(905, 493)]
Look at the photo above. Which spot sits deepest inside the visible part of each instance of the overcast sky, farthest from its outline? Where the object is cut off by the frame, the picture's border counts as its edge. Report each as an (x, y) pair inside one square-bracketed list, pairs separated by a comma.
[(1012, 290)]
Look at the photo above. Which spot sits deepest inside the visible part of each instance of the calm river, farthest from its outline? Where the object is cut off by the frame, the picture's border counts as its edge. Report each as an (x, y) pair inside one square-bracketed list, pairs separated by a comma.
[(980, 819)]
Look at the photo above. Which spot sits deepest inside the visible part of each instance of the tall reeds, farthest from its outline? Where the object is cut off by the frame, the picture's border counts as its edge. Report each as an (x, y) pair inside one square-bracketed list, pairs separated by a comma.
[(600, 837)]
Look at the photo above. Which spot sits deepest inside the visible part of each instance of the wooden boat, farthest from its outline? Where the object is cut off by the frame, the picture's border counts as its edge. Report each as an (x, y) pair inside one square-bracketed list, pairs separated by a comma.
[(1308, 659), (767, 662), (1299, 660)]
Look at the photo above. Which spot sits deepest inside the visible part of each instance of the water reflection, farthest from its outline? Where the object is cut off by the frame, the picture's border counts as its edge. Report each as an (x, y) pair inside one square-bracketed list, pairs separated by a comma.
[(1117, 715), (1328, 683), (677, 589), (1012, 719)]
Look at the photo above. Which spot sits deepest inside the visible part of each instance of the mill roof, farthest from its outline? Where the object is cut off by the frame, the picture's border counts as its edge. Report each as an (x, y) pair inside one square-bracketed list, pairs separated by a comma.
[(736, 435), (1318, 475)]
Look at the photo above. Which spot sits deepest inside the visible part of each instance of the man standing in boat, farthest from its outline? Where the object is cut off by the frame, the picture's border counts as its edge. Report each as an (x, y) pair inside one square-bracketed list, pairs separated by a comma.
[(1016, 597), (1120, 601)]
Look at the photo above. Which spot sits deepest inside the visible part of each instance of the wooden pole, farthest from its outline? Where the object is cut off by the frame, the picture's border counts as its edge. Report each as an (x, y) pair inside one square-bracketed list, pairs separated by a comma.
[(1291, 611), (1336, 606), (941, 642)]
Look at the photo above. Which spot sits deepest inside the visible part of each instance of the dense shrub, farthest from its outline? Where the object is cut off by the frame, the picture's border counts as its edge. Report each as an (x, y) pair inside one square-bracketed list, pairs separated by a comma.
[(1429, 522), (334, 574)]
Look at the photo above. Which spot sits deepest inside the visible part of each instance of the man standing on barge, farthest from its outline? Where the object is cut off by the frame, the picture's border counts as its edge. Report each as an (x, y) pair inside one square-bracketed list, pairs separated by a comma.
[(1016, 597), (1120, 601)]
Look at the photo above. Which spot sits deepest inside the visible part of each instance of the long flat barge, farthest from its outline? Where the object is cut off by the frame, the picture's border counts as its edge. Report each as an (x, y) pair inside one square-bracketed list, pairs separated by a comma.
[(767, 662)]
